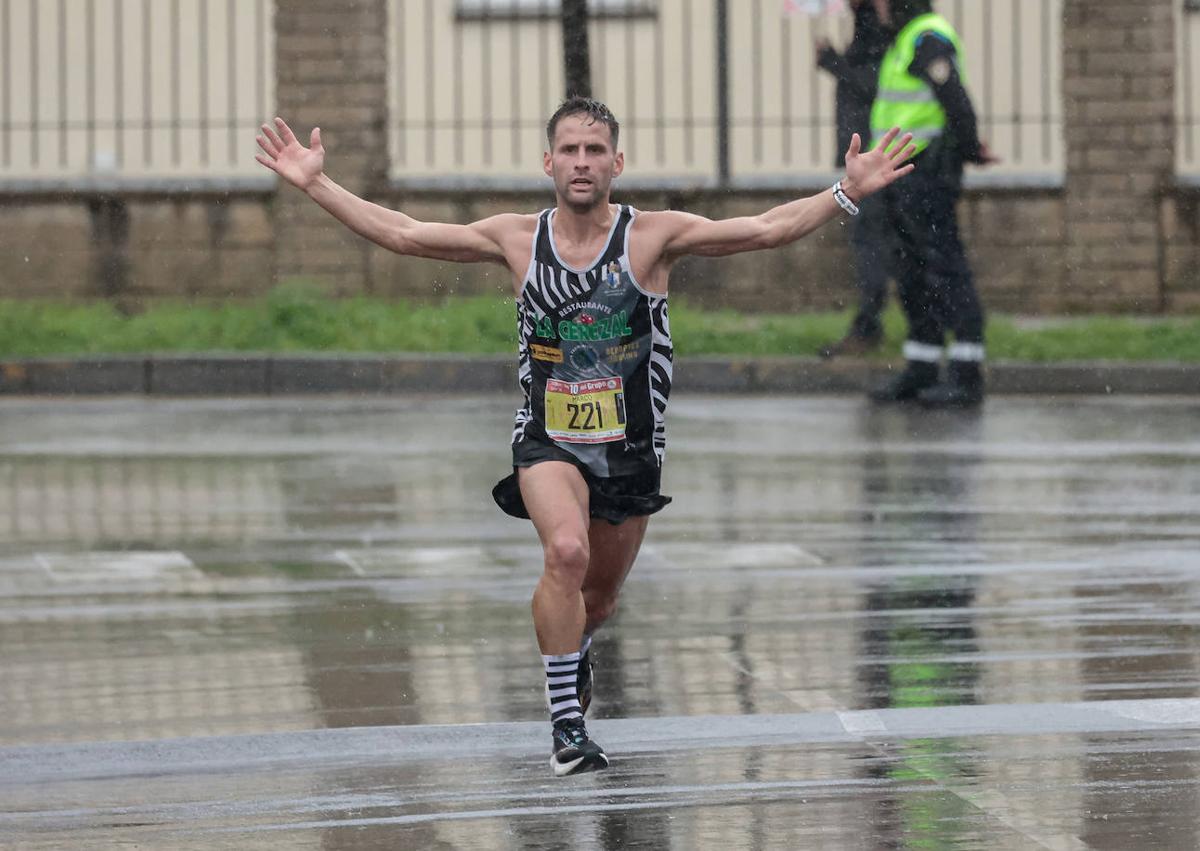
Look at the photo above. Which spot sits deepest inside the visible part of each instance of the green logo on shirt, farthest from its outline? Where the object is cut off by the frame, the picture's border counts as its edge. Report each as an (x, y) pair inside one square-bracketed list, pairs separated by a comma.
[(587, 327)]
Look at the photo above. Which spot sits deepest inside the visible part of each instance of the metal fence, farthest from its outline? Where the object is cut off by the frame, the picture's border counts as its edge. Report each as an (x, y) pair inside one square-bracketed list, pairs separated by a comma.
[(472, 84), (1187, 145), (128, 89)]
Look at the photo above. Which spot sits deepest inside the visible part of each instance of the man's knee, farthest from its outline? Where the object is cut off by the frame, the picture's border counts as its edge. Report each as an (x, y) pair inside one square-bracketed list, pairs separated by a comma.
[(567, 559)]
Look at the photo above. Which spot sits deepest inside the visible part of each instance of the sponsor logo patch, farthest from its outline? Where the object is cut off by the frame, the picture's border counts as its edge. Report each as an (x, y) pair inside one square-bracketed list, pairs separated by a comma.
[(546, 353), (612, 276), (939, 71), (586, 327)]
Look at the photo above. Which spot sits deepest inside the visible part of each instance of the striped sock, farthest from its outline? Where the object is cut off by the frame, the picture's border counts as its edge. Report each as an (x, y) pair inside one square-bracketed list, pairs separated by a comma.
[(561, 672)]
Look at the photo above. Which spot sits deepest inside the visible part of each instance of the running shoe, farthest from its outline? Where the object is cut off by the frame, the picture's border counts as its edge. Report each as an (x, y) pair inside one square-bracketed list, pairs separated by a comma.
[(574, 752), (583, 681)]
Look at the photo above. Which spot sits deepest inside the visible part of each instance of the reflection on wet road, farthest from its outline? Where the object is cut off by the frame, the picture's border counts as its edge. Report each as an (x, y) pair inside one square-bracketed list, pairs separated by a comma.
[(262, 624)]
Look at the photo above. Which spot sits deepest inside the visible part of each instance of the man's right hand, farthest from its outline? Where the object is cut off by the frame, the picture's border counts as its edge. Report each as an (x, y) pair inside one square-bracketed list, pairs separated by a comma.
[(284, 155)]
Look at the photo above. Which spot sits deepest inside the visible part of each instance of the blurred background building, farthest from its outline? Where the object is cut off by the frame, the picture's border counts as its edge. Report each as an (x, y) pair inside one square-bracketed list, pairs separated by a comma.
[(127, 140)]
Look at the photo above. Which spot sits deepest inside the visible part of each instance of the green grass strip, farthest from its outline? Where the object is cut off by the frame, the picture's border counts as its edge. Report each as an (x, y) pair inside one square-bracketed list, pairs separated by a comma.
[(299, 318)]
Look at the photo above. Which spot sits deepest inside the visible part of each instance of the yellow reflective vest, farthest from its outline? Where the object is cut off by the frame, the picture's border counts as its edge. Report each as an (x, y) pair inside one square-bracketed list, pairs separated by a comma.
[(906, 101)]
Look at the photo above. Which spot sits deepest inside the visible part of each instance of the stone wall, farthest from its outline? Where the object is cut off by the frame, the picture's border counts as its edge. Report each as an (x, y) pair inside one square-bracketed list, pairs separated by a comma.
[(135, 250), (1181, 237), (1016, 240), (1119, 114), (215, 248), (331, 61)]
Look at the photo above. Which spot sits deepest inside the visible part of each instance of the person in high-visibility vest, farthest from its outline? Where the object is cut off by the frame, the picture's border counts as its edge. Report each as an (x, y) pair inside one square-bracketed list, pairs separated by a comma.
[(922, 89)]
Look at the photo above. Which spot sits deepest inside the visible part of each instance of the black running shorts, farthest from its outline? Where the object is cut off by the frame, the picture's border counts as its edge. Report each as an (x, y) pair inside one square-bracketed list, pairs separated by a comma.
[(614, 499)]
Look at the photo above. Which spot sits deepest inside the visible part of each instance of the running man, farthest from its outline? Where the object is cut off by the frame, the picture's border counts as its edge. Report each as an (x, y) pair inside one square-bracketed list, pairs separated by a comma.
[(590, 279)]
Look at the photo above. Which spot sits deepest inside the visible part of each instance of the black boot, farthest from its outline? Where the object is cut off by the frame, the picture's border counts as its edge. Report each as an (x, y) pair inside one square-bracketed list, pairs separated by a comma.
[(963, 387), (917, 376)]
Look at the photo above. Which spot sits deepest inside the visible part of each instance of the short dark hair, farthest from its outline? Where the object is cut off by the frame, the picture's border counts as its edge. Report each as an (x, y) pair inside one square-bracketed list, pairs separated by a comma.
[(577, 105)]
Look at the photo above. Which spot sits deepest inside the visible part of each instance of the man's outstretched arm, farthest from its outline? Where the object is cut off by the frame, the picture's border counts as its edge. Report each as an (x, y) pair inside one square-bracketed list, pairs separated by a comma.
[(304, 168), (866, 173)]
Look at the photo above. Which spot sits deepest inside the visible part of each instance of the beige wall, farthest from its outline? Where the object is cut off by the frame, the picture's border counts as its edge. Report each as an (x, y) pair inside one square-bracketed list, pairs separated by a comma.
[(174, 93), (657, 73), (230, 86), (1187, 92), (146, 76)]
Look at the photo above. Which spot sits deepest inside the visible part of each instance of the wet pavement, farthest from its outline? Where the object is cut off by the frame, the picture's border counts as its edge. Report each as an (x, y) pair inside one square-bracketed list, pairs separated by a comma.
[(303, 624)]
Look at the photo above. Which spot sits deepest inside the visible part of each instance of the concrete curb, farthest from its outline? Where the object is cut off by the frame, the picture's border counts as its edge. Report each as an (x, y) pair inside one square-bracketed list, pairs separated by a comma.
[(279, 375)]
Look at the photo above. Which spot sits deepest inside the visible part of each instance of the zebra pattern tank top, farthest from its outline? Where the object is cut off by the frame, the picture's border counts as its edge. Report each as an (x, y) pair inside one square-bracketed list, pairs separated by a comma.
[(595, 356)]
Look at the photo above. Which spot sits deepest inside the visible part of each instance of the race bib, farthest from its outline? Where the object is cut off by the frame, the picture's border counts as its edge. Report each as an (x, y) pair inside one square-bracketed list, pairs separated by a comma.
[(585, 411)]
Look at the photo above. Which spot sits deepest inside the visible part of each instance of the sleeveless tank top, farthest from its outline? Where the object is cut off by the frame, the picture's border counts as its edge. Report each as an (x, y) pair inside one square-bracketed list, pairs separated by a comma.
[(595, 356)]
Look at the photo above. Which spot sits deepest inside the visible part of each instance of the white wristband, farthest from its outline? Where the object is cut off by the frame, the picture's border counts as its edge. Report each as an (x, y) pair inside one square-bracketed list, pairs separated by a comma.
[(843, 200)]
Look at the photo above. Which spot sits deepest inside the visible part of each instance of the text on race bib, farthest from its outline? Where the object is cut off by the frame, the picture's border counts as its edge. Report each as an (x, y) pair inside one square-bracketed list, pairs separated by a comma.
[(585, 411)]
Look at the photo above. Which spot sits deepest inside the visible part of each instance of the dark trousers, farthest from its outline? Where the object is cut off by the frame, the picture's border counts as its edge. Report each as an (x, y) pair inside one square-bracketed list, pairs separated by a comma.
[(937, 289), (873, 246)]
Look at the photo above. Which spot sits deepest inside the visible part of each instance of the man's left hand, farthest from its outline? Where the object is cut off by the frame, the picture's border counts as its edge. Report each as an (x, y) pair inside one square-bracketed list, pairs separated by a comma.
[(867, 173)]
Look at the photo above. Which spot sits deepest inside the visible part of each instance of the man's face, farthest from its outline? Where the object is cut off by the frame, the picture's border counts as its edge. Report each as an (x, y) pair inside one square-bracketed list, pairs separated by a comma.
[(582, 162)]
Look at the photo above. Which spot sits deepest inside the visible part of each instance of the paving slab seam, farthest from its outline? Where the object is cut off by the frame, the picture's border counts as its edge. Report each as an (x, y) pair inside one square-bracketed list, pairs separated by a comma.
[(53, 762)]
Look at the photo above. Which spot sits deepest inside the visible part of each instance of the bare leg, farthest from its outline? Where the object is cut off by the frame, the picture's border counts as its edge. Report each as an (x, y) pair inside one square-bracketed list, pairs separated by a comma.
[(613, 550), (556, 498), (576, 552)]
